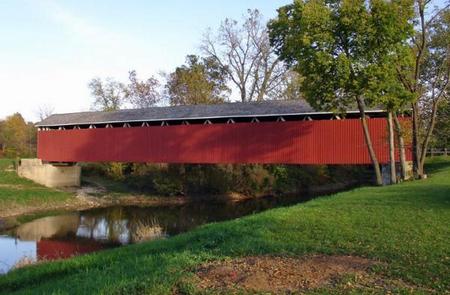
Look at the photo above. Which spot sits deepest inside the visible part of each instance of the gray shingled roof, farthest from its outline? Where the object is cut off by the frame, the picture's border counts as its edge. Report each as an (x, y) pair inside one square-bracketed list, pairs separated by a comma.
[(188, 112)]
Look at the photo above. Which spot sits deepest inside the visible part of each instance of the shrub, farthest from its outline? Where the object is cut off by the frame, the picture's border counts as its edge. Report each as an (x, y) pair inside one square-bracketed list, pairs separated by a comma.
[(248, 179), (207, 179), (295, 178), (11, 153), (116, 171), (251, 179), (164, 184)]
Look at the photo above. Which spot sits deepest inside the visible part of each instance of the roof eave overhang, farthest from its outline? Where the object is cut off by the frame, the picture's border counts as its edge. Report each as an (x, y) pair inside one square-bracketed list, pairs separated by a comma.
[(204, 118)]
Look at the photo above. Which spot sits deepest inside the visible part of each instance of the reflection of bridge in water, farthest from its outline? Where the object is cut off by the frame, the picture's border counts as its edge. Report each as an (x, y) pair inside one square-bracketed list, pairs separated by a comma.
[(109, 226), (82, 232), (288, 132), (63, 236)]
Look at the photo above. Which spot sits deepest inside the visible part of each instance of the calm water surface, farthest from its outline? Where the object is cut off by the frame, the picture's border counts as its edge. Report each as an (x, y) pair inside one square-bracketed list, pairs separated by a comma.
[(62, 236)]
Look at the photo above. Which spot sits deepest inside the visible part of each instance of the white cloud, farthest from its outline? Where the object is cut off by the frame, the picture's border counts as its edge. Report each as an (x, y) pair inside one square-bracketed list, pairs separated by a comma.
[(99, 42), (74, 24)]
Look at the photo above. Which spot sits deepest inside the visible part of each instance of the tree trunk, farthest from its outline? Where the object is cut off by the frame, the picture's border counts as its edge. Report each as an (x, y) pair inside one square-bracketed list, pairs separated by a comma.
[(427, 138), (392, 149), (401, 143), (417, 152), (243, 95), (373, 156)]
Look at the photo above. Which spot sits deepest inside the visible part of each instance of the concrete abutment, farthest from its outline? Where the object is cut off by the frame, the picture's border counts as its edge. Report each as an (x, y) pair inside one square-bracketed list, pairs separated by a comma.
[(50, 175)]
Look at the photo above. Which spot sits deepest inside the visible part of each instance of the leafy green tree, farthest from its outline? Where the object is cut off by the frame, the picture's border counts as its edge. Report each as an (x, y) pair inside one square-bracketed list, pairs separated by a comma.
[(109, 94), (142, 94), (200, 81), (441, 136), (344, 50), (112, 95), (428, 77), (393, 97), (17, 137)]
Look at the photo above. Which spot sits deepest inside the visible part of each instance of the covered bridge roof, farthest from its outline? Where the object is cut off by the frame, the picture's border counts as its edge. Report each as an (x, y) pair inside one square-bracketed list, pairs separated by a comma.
[(265, 109)]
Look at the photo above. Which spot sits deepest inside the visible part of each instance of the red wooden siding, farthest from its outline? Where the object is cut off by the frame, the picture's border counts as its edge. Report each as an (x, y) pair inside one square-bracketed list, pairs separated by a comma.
[(299, 142)]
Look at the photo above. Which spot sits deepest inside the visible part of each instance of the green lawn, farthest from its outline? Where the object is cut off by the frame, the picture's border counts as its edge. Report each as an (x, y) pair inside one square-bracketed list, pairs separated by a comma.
[(407, 226), (16, 192)]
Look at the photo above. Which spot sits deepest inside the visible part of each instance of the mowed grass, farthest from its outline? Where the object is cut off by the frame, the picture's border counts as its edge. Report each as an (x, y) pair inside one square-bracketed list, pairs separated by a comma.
[(405, 226), (16, 192)]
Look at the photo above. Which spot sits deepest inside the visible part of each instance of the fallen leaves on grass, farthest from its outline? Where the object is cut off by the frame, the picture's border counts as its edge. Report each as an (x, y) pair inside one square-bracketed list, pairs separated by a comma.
[(279, 274)]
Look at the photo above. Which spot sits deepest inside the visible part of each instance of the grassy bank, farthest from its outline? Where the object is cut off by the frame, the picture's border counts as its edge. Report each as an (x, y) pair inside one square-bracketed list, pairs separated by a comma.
[(19, 195), (405, 226), (24, 199)]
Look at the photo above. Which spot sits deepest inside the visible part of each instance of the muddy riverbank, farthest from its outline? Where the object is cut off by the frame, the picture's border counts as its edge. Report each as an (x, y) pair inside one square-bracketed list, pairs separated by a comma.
[(94, 197)]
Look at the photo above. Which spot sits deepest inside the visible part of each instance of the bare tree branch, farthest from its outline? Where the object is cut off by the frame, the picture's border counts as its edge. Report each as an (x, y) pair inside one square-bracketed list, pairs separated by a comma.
[(244, 50)]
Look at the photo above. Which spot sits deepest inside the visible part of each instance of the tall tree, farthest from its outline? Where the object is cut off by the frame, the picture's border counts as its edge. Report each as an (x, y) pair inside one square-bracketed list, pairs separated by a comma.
[(340, 48), (109, 94), (428, 78), (142, 93), (199, 81), (244, 50), (393, 97)]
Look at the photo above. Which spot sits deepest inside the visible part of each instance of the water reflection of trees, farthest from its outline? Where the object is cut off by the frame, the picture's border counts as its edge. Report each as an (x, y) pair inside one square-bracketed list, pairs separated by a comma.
[(146, 231), (119, 225), (126, 225), (108, 225)]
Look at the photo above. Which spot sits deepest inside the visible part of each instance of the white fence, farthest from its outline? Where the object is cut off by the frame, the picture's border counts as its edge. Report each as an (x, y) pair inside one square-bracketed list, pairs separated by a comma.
[(438, 152)]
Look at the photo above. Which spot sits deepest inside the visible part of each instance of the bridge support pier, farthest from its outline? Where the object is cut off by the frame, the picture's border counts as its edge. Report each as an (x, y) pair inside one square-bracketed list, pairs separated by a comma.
[(50, 175)]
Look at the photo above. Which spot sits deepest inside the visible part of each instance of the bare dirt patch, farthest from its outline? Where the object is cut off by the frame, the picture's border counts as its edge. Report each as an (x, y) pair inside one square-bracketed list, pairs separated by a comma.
[(279, 274)]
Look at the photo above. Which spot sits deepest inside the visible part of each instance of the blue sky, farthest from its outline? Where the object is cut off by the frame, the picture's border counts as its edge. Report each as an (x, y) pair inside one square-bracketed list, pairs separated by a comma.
[(50, 49)]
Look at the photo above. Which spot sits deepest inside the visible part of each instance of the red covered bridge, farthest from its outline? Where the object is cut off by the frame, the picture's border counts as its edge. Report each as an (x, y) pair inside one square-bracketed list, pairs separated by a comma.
[(278, 132)]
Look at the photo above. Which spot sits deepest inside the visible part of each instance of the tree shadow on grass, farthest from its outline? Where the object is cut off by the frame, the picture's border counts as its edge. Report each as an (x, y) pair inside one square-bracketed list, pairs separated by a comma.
[(438, 164)]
